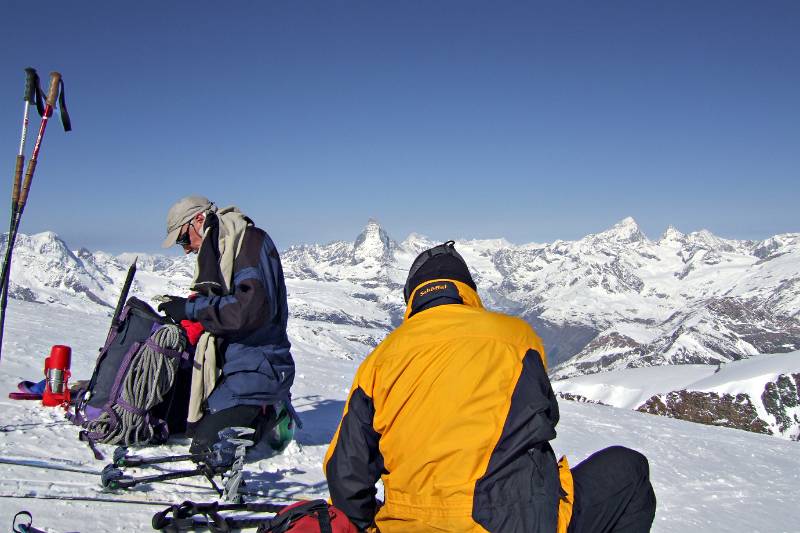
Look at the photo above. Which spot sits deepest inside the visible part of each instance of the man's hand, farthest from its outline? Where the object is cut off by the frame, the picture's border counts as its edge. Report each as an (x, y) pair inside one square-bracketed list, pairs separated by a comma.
[(174, 308)]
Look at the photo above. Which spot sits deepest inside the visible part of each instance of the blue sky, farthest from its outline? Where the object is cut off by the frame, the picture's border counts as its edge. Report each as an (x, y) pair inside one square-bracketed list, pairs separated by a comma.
[(534, 121)]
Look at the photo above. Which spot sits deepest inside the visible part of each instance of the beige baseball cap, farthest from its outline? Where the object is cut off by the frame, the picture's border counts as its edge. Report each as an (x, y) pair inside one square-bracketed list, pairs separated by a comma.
[(182, 212)]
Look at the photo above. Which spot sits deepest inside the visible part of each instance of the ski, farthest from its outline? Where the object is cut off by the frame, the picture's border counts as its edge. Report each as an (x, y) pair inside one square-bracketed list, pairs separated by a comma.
[(124, 460), (49, 460), (226, 459), (100, 499), (28, 463), (234, 484), (231, 435), (35, 463)]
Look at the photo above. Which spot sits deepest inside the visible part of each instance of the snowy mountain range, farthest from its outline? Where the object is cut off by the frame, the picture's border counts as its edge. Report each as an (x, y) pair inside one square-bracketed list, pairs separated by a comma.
[(610, 300)]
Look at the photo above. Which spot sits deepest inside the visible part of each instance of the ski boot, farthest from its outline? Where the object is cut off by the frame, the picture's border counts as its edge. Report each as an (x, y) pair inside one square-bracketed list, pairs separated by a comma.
[(282, 433)]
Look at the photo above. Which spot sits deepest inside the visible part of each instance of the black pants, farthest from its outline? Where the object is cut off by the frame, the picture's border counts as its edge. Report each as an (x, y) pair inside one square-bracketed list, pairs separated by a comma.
[(205, 434), (613, 493)]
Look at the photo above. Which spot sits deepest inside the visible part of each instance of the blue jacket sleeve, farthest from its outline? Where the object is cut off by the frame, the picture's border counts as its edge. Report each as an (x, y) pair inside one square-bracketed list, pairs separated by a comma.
[(253, 301)]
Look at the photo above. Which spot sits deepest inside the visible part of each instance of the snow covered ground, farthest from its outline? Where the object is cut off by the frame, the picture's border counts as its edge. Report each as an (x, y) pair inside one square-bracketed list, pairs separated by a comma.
[(706, 478), (631, 387)]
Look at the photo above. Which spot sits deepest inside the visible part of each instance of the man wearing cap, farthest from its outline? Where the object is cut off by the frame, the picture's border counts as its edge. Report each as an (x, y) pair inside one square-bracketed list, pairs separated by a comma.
[(243, 367), (454, 412)]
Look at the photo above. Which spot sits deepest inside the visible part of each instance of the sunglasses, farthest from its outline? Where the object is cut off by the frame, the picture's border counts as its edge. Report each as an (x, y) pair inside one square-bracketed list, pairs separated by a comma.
[(183, 238)]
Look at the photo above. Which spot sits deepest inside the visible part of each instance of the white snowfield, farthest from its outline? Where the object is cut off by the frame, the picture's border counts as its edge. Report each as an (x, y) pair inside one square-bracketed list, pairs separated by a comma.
[(706, 479), (630, 388)]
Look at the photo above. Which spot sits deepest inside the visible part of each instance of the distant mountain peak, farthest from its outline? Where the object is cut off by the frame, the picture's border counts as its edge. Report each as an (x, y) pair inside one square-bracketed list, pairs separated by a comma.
[(417, 242), (44, 243), (672, 234), (417, 237), (706, 239), (373, 243), (42, 237), (626, 230)]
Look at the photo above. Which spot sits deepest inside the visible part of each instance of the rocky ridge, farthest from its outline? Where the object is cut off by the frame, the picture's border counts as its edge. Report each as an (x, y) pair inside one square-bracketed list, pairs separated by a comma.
[(777, 412)]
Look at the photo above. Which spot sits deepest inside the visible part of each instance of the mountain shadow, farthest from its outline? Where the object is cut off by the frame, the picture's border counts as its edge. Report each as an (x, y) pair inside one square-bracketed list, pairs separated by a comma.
[(561, 341)]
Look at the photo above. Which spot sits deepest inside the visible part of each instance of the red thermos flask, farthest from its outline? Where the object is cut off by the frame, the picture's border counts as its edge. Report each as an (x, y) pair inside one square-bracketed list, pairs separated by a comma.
[(56, 373)]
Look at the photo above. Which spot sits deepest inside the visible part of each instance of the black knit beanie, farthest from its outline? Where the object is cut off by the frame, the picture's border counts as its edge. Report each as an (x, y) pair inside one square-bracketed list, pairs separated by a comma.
[(442, 266)]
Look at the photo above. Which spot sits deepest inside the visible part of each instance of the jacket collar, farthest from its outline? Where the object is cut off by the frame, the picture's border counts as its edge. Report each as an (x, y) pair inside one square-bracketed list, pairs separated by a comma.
[(208, 275), (440, 292)]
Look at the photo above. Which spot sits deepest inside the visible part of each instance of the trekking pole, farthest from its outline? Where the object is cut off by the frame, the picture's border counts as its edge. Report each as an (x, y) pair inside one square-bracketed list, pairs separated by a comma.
[(52, 95), (56, 88), (33, 92)]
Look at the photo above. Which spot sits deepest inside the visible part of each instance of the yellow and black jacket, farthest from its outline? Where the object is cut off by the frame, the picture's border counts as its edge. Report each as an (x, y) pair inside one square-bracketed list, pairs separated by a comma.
[(454, 411)]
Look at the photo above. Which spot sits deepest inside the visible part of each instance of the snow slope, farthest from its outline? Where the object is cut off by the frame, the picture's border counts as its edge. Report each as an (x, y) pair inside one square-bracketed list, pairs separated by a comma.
[(706, 478), (631, 388)]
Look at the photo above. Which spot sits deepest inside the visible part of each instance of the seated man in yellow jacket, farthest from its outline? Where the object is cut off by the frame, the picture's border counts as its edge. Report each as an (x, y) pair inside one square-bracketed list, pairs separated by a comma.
[(454, 411)]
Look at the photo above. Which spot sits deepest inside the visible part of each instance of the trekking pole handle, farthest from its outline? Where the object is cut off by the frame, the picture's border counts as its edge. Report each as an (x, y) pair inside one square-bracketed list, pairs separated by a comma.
[(17, 180), (26, 186), (52, 94), (30, 84)]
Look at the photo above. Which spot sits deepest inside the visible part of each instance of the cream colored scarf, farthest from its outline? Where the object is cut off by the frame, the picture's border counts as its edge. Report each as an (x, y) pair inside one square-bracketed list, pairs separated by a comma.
[(232, 225)]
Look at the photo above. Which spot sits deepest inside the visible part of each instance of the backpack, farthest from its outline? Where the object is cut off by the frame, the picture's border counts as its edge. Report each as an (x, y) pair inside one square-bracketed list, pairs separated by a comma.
[(314, 516), (138, 392)]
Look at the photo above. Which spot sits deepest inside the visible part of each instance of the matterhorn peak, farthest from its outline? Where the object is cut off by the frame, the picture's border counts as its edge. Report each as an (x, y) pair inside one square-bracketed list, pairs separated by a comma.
[(626, 230), (373, 243)]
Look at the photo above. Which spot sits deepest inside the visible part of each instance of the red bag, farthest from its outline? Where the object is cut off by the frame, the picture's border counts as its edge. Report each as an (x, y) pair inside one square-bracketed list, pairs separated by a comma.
[(314, 516)]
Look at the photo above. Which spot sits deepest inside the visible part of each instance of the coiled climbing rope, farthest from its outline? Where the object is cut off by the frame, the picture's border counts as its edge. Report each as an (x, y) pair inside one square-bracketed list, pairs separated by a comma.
[(148, 380)]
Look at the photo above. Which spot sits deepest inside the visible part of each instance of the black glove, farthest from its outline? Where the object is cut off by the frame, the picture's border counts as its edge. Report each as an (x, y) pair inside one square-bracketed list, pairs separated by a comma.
[(174, 308)]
